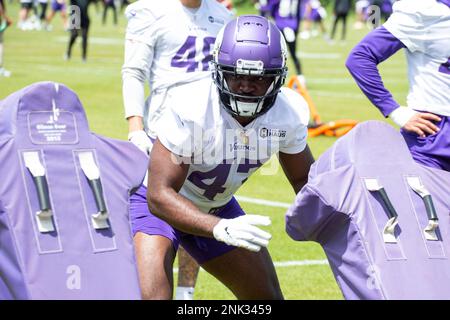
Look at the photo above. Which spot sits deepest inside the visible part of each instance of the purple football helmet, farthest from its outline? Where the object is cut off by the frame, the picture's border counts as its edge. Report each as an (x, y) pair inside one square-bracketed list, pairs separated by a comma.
[(249, 45)]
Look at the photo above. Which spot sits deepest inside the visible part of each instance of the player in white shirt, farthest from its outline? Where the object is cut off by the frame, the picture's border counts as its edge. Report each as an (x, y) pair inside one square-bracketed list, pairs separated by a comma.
[(422, 27), (213, 137), (167, 44), (25, 7)]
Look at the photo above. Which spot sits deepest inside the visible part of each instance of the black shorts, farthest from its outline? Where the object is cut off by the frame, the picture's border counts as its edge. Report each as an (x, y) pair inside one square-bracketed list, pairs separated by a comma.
[(26, 5)]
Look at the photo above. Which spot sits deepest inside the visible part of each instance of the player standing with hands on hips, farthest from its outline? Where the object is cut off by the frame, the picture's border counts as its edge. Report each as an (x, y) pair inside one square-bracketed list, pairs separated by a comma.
[(422, 27)]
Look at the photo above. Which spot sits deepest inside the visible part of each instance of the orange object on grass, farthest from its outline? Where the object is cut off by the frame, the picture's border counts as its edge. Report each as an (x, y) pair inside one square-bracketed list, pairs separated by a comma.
[(316, 127)]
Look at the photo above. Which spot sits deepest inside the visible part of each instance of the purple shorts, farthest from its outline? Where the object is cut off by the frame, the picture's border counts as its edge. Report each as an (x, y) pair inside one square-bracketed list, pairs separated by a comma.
[(315, 15), (433, 150), (291, 23), (202, 249), (56, 6)]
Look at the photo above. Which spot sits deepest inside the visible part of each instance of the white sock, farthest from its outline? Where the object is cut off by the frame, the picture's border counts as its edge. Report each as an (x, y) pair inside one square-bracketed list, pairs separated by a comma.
[(184, 293)]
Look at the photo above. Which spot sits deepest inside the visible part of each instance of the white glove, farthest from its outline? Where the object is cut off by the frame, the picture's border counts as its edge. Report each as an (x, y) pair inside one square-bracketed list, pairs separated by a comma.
[(241, 232), (141, 140), (401, 115)]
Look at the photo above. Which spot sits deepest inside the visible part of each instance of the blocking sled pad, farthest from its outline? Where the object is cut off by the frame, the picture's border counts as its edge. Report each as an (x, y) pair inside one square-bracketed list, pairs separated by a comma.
[(64, 198), (381, 218)]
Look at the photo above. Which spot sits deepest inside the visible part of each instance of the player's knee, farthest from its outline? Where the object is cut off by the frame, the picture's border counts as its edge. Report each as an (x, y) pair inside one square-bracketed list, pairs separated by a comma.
[(156, 293), (272, 290), (156, 287)]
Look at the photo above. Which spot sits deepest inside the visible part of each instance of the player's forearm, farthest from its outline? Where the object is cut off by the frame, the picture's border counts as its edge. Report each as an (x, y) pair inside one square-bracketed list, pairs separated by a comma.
[(296, 167), (299, 184), (135, 123), (166, 178), (362, 63), (137, 61), (299, 181), (180, 212), (133, 94)]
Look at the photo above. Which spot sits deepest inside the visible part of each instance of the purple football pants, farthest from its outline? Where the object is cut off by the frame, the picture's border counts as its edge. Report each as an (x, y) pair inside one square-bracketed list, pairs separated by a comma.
[(202, 249), (433, 150)]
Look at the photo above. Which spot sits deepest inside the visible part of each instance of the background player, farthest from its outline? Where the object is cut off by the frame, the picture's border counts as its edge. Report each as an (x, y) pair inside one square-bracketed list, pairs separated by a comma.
[(263, 7), (314, 14), (287, 15), (109, 5), (425, 121), (83, 28), (340, 12), (57, 6)]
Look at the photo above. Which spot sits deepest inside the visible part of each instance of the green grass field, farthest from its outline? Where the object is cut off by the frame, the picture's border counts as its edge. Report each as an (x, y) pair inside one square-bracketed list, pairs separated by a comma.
[(38, 56)]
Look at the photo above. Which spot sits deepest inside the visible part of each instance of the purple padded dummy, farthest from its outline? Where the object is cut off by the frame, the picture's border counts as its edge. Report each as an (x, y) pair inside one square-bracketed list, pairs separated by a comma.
[(64, 226), (342, 208)]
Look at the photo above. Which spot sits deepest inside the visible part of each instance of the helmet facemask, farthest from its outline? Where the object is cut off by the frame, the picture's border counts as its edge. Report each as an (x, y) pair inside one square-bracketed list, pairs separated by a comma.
[(264, 60)]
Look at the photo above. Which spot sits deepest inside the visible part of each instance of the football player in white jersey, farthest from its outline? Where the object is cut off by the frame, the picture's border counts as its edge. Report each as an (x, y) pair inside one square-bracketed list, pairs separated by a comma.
[(213, 136), (422, 27), (167, 43)]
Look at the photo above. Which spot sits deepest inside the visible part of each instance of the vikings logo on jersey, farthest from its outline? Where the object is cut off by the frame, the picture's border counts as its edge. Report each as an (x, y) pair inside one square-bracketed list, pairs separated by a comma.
[(216, 20)]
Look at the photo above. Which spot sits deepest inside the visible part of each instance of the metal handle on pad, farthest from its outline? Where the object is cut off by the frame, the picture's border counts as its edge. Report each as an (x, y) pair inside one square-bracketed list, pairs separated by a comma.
[(92, 173), (43, 193), (97, 189), (429, 206), (387, 202), (388, 231), (430, 230), (37, 170)]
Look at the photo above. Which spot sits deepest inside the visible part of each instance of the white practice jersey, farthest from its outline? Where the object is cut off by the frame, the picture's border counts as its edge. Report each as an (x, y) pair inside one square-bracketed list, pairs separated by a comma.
[(181, 41), (423, 26), (223, 154), (175, 46), (315, 4), (361, 5)]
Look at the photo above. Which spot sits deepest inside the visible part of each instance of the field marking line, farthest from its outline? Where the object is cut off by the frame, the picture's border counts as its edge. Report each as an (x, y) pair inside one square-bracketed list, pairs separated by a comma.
[(319, 55), (348, 80), (284, 264), (98, 40), (263, 202)]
